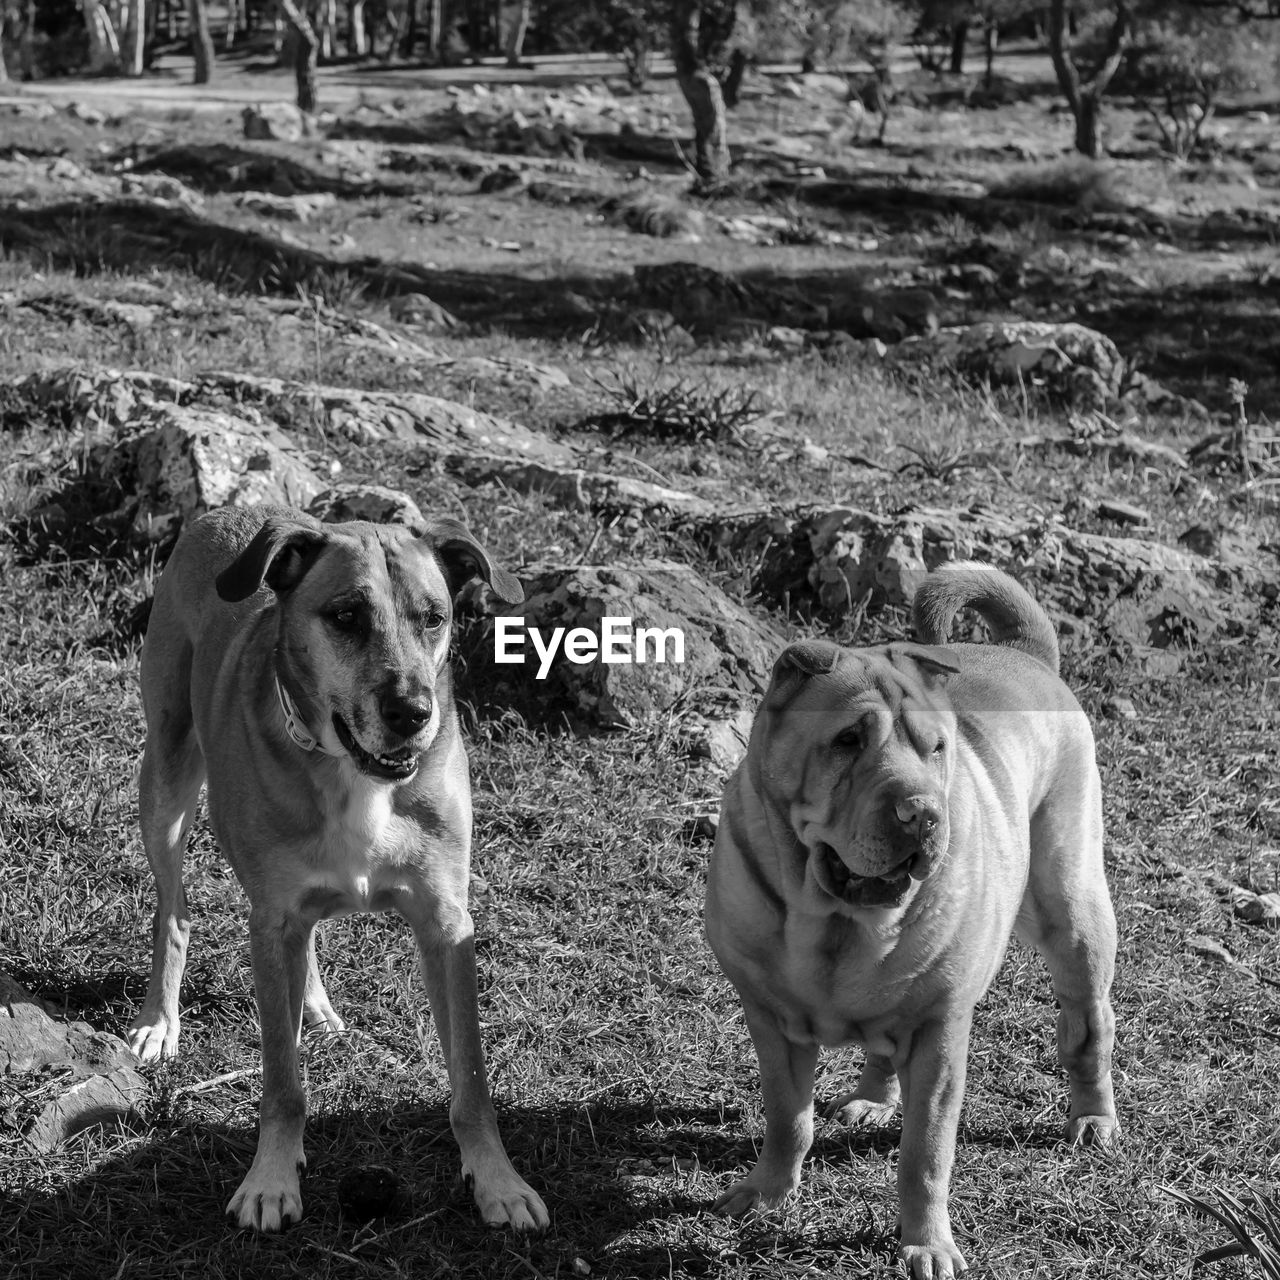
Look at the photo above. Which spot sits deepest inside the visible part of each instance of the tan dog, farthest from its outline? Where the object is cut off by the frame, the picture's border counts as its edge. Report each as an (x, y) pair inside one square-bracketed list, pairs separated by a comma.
[(312, 690), (900, 811)]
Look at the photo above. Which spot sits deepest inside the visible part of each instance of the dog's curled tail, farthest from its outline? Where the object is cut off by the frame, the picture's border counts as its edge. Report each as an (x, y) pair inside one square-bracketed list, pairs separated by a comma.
[(1014, 617)]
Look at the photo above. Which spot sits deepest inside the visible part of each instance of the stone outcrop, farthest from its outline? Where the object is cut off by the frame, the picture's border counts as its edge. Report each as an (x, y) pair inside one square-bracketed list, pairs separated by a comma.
[(370, 417), (577, 488), (842, 560), (1070, 361), (74, 1077)]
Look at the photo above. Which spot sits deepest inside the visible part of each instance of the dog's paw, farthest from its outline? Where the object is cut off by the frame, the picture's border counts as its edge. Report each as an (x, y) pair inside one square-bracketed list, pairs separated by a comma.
[(513, 1204), (267, 1202), (1093, 1131), (859, 1113), (749, 1194), (940, 1261), (153, 1036)]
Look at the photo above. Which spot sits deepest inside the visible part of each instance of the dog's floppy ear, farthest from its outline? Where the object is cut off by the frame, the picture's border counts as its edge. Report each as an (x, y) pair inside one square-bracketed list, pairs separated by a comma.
[(808, 657), (799, 661), (280, 553), (463, 557), (932, 662)]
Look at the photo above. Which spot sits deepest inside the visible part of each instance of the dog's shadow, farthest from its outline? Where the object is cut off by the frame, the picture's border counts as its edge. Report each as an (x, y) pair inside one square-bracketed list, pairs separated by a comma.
[(605, 1170)]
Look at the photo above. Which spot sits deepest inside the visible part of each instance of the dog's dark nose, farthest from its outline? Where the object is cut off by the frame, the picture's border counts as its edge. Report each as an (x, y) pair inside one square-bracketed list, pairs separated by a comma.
[(405, 716), (919, 815)]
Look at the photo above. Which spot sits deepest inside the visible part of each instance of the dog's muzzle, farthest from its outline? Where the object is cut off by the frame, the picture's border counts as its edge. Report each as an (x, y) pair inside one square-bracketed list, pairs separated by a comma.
[(887, 890), (390, 766)]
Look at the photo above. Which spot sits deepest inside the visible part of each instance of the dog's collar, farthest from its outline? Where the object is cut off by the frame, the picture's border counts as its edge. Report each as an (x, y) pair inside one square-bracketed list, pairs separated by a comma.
[(293, 722)]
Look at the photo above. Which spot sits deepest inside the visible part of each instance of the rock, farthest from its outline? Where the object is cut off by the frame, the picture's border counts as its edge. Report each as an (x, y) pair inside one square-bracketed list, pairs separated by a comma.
[(840, 560), (179, 461), (1077, 363), (1123, 512), (702, 826), (574, 487), (296, 208), (107, 312), (281, 121), (1256, 908), (90, 115), (366, 502), (163, 188), (1117, 708), (418, 309), (509, 371), (78, 1077), (369, 417), (727, 653)]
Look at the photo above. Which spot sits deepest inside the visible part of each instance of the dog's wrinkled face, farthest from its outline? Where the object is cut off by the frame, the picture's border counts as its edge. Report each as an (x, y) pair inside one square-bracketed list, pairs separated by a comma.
[(858, 750), (365, 615)]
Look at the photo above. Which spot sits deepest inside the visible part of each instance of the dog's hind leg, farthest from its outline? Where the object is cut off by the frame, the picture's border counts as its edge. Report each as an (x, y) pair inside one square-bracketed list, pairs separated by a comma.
[(873, 1100), (1066, 915), (316, 1009), (168, 790)]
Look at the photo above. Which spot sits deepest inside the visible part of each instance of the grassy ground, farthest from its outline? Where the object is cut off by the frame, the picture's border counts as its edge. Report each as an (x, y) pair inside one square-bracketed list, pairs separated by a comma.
[(627, 1087)]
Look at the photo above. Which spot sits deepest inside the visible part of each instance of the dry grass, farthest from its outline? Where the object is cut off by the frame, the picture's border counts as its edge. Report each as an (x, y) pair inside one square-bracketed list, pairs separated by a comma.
[(627, 1088)]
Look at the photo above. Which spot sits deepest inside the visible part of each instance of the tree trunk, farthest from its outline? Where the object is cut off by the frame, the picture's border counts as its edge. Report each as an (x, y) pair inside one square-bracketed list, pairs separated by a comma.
[(990, 41), (1089, 126), (26, 43), (515, 37), (435, 27), (201, 41), (104, 47), (357, 33), (1084, 93), (959, 35), (235, 8), (4, 70), (734, 77), (306, 50), (135, 37), (702, 92)]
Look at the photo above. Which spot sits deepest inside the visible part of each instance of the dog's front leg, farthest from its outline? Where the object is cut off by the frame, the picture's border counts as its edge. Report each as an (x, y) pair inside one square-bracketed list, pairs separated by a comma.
[(270, 1198), (932, 1073), (446, 942), (786, 1080)]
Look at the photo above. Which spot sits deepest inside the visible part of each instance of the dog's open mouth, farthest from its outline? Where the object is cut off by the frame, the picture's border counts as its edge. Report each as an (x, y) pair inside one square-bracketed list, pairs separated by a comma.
[(394, 766), (860, 891)]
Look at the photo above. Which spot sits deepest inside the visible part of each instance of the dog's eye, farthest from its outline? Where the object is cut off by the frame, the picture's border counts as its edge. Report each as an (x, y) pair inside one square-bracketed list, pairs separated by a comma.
[(345, 619), (433, 620), (940, 747), (850, 739)]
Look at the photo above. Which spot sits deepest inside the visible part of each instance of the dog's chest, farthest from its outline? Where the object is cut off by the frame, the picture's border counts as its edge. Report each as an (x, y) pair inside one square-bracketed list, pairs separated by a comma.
[(362, 858)]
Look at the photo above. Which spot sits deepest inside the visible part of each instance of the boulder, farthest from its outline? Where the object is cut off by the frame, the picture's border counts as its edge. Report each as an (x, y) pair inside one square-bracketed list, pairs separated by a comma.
[(279, 121), (727, 654), (75, 1077), (366, 502), (1071, 360), (179, 461), (370, 417), (574, 487), (294, 208), (839, 561)]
